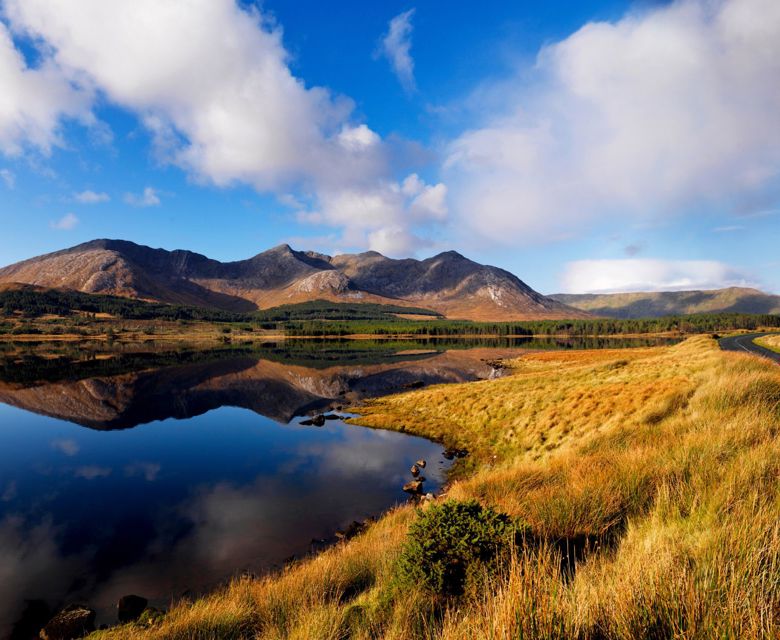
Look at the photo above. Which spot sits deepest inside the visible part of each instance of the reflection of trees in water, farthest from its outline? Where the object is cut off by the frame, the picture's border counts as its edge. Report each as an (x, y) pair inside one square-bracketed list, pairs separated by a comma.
[(35, 363)]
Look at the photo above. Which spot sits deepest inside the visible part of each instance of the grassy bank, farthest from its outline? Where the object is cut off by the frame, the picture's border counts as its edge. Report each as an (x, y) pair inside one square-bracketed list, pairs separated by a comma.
[(665, 461), (770, 342)]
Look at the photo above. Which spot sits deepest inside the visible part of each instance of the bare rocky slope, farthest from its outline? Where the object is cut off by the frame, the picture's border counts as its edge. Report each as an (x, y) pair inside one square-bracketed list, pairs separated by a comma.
[(448, 283), (656, 304)]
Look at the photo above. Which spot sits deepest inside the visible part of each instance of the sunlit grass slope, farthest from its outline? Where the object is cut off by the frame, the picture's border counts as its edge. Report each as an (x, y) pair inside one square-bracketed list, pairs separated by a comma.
[(770, 342), (659, 467)]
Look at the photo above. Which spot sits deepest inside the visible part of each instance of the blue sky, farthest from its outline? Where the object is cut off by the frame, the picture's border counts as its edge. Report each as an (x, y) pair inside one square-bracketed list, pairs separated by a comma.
[(589, 146)]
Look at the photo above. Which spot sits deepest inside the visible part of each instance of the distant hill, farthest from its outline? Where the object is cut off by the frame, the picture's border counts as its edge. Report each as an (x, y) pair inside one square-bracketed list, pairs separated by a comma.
[(448, 283), (655, 304)]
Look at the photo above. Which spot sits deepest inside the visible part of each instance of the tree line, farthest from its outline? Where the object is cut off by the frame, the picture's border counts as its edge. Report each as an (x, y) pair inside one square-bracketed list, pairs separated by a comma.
[(323, 318), (698, 323)]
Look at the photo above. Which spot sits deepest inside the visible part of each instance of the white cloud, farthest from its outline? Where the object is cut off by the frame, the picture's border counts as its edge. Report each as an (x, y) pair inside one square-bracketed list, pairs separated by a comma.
[(8, 177), (65, 223), (728, 228), (431, 202), (92, 472), (665, 108), (396, 46), (91, 197), (613, 276), (394, 241), (358, 138), (228, 110), (148, 198), (66, 445), (383, 216), (34, 101), (147, 470)]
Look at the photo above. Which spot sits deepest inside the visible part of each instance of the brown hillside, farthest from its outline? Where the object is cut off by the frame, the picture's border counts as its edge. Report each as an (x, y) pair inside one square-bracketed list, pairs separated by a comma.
[(448, 283)]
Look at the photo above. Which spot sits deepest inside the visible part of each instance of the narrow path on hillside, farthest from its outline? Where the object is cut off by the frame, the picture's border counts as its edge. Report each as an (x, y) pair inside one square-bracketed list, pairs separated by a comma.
[(745, 343)]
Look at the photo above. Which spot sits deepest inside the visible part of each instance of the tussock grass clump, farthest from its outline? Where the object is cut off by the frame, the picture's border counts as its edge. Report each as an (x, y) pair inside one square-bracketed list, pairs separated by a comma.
[(649, 480)]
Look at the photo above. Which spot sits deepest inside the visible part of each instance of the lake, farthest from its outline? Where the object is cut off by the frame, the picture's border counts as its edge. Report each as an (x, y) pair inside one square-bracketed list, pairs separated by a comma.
[(164, 472)]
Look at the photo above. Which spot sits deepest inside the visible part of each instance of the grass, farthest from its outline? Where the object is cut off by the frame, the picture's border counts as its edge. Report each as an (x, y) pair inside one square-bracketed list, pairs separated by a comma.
[(770, 342), (655, 471)]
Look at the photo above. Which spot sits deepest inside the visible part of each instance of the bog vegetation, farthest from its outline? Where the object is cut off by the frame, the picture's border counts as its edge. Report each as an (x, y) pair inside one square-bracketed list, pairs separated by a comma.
[(644, 482)]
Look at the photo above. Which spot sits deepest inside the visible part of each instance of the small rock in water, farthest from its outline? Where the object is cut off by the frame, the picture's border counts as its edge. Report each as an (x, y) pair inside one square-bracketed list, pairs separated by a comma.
[(451, 453), (130, 608), (421, 463), (414, 487), (316, 421), (74, 621), (415, 470), (332, 416)]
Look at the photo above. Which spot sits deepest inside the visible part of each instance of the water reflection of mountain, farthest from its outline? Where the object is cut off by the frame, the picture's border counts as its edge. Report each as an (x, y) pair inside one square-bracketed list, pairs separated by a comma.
[(277, 390)]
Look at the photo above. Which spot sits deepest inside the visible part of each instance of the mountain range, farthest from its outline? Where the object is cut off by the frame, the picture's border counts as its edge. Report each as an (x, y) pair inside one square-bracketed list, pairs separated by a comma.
[(447, 283), (665, 303)]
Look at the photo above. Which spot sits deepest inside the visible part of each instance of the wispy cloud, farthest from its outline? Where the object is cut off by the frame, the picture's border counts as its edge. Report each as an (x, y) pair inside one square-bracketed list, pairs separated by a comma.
[(91, 197), (616, 276), (148, 198), (396, 46), (92, 472), (65, 223), (147, 470), (729, 228), (632, 250), (8, 177), (66, 445)]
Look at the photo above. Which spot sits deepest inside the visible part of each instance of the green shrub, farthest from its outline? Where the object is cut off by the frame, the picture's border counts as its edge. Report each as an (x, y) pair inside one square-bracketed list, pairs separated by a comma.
[(25, 330), (450, 541)]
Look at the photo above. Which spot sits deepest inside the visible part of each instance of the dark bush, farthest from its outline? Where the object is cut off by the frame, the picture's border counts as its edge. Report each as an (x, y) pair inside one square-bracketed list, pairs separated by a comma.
[(450, 541)]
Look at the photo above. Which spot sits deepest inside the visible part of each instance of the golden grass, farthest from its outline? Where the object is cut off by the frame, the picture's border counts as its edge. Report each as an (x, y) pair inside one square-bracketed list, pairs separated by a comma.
[(661, 465), (770, 342)]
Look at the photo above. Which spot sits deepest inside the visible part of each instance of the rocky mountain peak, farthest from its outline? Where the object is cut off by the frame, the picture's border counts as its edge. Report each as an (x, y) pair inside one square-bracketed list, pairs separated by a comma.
[(448, 283)]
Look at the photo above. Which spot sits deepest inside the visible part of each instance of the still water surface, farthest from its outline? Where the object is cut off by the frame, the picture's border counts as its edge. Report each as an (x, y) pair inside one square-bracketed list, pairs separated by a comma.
[(165, 473)]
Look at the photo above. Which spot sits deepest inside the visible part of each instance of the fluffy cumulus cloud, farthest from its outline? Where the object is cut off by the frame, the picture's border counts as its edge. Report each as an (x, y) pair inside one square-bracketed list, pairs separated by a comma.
[(226, 110), (641, 117), (614, 276), (382, 215), (34, 101), (396, 46)]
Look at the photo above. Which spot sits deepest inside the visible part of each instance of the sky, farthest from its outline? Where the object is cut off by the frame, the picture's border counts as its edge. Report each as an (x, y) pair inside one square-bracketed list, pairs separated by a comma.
[(584, 146)]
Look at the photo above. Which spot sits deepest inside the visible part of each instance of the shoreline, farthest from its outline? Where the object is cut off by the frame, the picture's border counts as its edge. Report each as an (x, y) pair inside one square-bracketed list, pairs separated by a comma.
[(250, 338)]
